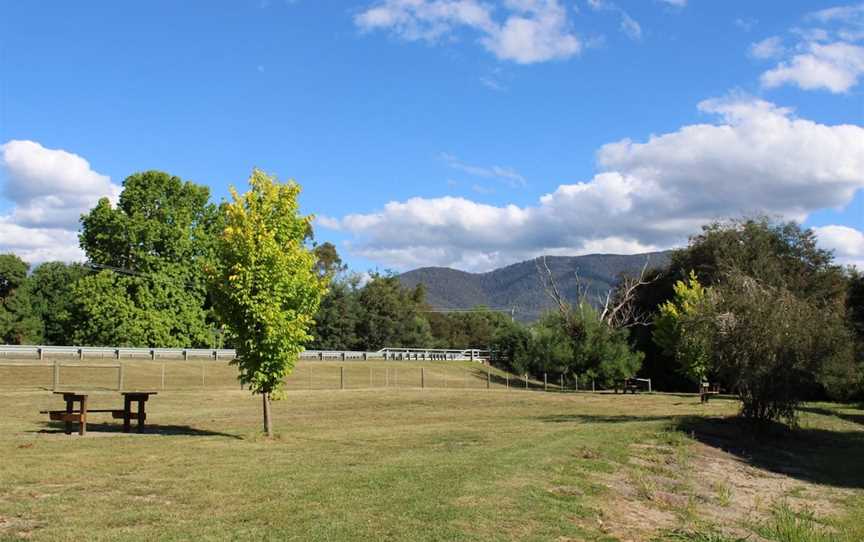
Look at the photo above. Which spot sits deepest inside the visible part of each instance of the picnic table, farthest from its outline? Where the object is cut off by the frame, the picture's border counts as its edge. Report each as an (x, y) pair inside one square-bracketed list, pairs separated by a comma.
[(79, 416), (706, 390)]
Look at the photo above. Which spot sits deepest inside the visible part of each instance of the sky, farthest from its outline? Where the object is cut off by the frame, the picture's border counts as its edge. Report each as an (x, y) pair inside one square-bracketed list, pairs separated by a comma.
[(464, 133)]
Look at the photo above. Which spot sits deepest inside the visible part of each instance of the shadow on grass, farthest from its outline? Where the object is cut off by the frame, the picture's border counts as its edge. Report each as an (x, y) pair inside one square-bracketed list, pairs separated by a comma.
[(154, 429), (589, 418), (814, 455)]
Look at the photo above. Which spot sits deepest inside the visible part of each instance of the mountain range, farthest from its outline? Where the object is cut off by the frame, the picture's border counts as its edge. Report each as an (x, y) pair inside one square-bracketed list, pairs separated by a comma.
[(518, 287)]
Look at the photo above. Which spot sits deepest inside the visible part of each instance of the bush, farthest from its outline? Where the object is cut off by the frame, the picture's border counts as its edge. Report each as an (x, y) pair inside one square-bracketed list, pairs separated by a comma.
[(771, 346)]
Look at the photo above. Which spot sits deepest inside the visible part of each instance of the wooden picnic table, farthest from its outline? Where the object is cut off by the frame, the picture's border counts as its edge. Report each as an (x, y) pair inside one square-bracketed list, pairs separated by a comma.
[(71, 415)]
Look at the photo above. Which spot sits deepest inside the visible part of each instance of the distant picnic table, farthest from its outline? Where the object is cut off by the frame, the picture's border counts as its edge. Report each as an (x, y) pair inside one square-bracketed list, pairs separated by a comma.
[(127, 414)]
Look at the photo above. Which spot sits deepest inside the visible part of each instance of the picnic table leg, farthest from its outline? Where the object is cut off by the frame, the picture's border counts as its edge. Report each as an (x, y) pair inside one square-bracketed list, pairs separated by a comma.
[(127, 409), (68, 428), (82, 425), (140, 415)]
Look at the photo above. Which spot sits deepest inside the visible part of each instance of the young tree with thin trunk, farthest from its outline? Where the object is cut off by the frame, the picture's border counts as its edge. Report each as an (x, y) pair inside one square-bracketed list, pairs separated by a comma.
[(265, 286)]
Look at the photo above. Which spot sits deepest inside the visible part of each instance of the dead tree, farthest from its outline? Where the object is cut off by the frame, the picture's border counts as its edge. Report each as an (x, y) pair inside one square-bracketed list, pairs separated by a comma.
[(618, 306)]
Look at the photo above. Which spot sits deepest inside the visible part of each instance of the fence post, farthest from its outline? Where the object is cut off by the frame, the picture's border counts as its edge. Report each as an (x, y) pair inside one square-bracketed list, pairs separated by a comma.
[(507, 380), (422, 377), (56, 374), (80, 353), (41, 357), (649, 385), (592, 386), (488, 378), (562, 382), (526, 381), (120, 377), (117, 353), (153, 354), (341, 378), (576, 379), (185, 355), (545, 383), (163, 376)]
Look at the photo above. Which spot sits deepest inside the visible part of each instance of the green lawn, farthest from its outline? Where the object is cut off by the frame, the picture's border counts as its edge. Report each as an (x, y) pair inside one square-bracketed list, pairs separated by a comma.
[(435, 464)]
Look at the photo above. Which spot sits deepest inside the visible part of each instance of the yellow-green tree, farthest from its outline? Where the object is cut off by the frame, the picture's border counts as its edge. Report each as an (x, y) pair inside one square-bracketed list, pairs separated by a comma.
[(675, 328), (266, 289)]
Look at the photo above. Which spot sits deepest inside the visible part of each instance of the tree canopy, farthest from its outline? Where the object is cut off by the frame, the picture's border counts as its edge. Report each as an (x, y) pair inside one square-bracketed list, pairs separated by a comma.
[(265, 285)]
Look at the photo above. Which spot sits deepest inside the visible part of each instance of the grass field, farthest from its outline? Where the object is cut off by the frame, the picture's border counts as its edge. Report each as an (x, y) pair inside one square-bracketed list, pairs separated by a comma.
[(435, 464)]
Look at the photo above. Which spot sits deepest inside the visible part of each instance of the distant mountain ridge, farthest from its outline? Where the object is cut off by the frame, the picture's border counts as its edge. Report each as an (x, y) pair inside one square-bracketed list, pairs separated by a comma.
[(518, 286)]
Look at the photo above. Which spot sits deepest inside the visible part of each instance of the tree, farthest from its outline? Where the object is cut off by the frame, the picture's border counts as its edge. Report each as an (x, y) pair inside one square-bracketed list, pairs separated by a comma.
[(18, 322), (338, 317), (266, 290), (153, 246), (390, 315), (328, 262), (51, 292), (778, 254), (674, 329), (773, 347)]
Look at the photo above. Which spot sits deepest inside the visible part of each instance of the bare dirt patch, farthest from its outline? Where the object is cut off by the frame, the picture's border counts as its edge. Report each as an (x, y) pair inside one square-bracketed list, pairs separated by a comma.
[(663, 488)]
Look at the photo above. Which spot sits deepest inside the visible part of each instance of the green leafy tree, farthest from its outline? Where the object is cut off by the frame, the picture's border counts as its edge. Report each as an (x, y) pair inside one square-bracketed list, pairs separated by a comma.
[(51, 291), (154, 246), (600, 351), (19, 324), (674, 329), (511, 347), (265, 284), (773, 347), (338, 316), (390, 315)]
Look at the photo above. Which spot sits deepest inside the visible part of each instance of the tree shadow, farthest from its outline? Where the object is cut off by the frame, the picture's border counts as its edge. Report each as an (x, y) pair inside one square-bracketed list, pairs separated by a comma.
[(814, 455), (149, 429), (589, 418)]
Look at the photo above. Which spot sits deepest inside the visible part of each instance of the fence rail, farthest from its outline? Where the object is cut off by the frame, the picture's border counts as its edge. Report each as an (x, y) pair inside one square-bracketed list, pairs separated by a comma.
[(209, 374), (41, 352)]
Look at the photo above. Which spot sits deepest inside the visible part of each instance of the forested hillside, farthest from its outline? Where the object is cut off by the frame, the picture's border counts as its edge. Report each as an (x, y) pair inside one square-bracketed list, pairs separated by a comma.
[(518, 286)]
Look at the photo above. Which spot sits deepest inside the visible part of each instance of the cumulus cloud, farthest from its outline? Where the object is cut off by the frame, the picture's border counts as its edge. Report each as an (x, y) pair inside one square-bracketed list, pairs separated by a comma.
[(828, 53), (755, 157), (48, 190), (846, 243), (530, 30)]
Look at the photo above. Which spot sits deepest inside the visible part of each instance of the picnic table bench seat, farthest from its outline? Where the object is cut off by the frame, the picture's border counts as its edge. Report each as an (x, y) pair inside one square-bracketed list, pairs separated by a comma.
[(72, 415)]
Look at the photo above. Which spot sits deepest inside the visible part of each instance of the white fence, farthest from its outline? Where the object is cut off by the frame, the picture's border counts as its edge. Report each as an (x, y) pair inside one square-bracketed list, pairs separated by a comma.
[(82, 352)]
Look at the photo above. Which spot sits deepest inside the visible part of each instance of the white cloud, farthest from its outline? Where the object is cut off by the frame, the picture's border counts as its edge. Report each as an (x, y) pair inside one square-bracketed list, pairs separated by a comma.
[(826, 57), (507, 175), (768, 48), (49, 189), (676, 3), (628, 25), (846, 243), (746, 24), (835, 67), (756, 157), (531, 30)]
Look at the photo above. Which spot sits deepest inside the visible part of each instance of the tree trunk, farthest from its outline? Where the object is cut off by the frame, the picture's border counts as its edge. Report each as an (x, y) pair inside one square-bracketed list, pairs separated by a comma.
[(268, 420)]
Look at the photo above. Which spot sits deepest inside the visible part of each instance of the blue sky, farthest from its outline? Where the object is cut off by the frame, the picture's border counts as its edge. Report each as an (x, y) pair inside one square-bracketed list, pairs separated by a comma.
[(443, 132)]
